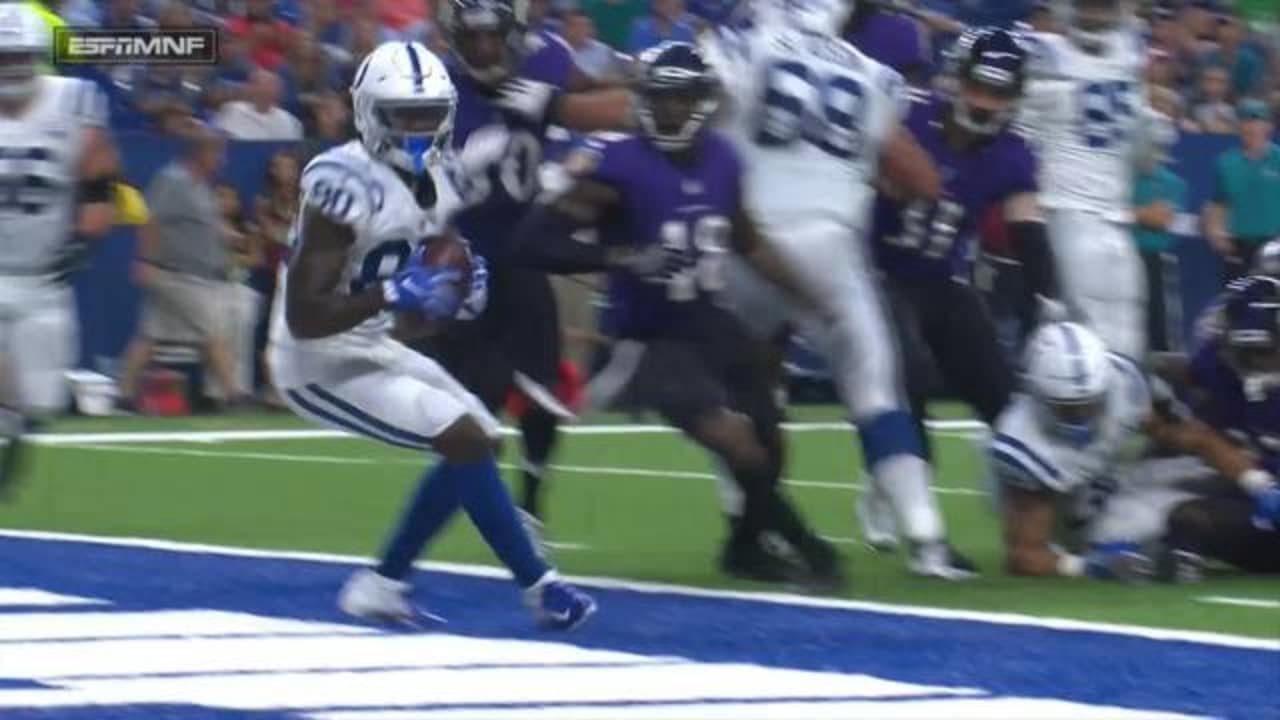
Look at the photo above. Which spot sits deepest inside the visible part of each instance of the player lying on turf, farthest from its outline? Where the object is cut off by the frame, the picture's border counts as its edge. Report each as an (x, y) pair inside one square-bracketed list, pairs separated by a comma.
[(56, 177), (925, 248), (1058, 446), (370, 209), (1232, 384), (667, 203), (817, 124)]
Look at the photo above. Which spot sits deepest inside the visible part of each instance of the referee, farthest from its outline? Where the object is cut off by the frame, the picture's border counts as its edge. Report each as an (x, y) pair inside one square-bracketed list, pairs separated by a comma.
[(1245, 210)]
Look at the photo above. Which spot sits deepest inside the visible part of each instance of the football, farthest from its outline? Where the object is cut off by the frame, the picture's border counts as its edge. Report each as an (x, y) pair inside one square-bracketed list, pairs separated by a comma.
[(446, 251)]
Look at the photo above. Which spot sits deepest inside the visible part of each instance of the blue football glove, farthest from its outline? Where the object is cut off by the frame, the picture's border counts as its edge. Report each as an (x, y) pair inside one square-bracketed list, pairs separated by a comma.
[(478, 296), (418, 288), (1266, 508)]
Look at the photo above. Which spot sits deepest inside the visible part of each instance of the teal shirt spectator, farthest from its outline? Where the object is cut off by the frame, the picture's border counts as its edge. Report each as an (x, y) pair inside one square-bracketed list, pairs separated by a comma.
[(1160, 185), (1250, 190)]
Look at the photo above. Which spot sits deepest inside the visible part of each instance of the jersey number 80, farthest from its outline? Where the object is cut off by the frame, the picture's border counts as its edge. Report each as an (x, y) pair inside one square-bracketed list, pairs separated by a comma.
[(800, 103)]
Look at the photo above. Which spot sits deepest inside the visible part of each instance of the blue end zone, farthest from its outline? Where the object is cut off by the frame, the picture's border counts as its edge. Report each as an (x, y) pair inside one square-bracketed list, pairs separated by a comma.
[(1002, 660)]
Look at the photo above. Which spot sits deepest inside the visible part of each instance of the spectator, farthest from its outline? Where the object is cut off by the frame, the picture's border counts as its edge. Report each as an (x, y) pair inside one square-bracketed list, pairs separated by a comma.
[(309, 82), (1168, 102), (170, 95), (125, 14), (1041, 19), (259, 116), (182, 265), (234, 69), (665, 22), (595, 59), (1244, 64), (1159, 195), (242, 302), (274, 211), (1213, 113), (1160, 69), (613, 19), (1244, 212), (267, 37)]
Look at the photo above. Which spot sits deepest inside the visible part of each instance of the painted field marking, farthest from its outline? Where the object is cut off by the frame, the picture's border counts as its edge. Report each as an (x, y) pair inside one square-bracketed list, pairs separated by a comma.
[(33, 597), (215, 436), (776, 598), (574, 469), (1240, 601)]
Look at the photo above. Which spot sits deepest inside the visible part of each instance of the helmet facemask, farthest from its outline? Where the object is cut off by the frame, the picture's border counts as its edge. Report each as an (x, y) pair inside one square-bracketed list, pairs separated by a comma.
[(414, 131), (1092, 23), (489, 42), (1074, 421), (18, 73), (984, 108), (672, 117)]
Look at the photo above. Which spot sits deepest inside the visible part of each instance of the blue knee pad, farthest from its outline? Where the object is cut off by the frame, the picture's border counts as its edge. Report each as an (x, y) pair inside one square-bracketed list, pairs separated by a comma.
[(889, 434)]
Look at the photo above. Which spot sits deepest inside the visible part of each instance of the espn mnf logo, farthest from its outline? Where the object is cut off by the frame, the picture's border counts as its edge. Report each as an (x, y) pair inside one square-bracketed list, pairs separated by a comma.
[(191, 46)]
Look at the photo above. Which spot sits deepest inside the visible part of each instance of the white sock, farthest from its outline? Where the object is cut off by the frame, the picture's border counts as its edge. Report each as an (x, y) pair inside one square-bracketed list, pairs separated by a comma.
[(904, 479)]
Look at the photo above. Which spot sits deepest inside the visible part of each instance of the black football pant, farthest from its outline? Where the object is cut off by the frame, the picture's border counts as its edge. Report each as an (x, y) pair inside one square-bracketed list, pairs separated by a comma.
[(518, 332), (949, 342), (1222, 528)]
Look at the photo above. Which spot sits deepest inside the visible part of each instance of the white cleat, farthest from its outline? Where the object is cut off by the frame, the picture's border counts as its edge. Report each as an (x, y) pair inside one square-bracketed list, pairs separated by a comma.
[(940, 560), (875, 515), (372, 597)]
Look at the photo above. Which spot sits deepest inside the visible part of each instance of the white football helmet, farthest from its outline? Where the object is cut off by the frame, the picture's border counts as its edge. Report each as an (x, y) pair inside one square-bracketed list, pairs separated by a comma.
[(1093, 25), (824, 17), (404, 103), (1068, 372), (25, 42)]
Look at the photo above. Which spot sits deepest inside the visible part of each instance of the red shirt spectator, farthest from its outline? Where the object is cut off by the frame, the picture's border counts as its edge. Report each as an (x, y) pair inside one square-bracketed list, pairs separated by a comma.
[(267, 36)]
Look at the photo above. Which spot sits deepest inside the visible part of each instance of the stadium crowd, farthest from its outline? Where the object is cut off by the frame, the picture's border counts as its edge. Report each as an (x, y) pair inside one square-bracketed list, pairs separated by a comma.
[(286, 66), (207, 259)]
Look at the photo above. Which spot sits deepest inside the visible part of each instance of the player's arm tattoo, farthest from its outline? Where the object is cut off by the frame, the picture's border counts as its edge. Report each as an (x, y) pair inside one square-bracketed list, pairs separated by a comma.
[(595, 111), (99, 167), (546, 238), (760, 253), (1028, 530), (906, 170), (313, 307)]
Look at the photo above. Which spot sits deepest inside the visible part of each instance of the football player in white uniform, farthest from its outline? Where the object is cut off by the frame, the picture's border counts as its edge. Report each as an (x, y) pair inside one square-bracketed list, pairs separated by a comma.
[(818, 124), (1085, 114), (368, 211), (1058, 448), (57, 165)]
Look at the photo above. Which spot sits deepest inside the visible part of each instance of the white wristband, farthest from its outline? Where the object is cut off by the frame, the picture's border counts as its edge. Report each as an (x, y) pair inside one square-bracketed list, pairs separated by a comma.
[(389, 292), (1255, 481)]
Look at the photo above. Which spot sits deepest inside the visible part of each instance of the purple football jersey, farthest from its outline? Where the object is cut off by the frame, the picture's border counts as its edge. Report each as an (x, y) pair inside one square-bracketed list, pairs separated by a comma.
[(1251, 416), (497, 200), (686, 208), (891, 39), (934, 240)]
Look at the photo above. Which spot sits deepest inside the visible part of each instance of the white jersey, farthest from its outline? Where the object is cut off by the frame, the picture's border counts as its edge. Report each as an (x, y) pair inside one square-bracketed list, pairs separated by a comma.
[(40, 152), (1085, 115), (809, 115), (1024, 454), (354, 189)]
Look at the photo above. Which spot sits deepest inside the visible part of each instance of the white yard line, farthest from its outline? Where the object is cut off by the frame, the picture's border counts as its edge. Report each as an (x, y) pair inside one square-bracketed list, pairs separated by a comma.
[(946, 428), (574, 469), (1240, 602), (994, 618)]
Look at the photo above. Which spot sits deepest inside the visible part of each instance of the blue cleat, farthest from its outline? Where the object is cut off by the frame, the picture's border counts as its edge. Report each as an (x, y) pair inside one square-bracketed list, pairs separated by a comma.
[(557, 605)]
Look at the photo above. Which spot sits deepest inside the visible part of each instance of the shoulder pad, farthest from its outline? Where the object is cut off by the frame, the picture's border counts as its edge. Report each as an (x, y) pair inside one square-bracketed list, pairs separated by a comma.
[(341, 190), (1017, 463), (1043, 61)]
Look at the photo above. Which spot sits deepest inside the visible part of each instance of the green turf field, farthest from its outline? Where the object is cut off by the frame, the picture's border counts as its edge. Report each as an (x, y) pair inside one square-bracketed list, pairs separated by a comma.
[(631, 505)]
